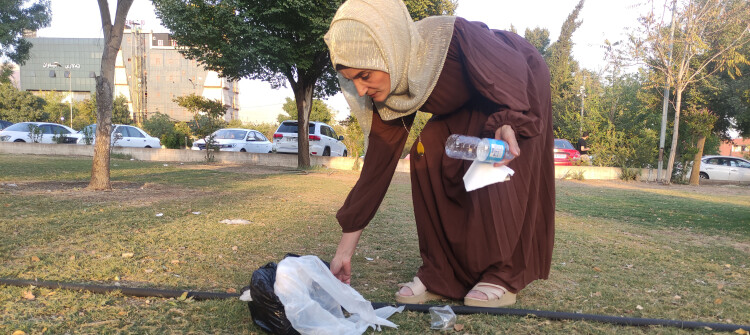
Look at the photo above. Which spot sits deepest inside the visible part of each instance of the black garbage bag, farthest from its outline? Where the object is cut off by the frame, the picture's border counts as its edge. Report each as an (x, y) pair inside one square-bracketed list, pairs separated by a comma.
[(265, 308)]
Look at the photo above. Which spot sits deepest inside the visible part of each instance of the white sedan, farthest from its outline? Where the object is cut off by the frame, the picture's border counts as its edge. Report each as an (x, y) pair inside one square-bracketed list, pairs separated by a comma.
[(725, 168), (122, 136), (237, 139), (39, 132)]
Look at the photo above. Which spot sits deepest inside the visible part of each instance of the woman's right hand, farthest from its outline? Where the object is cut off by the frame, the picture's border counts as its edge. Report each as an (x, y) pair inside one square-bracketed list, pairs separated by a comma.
[(341, 265)]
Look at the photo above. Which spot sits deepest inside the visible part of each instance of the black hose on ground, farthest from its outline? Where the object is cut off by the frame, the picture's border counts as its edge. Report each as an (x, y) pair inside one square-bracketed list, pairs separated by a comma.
[(617, 320)]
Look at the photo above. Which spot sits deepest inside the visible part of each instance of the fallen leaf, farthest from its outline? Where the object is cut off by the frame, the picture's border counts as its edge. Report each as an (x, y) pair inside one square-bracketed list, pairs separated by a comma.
[(183, 297), (639, 307), (597, 269), (677, 297), (28, 295), (72, 257), (35, 259), (727, 266), (231, 290), (51, 293), (234, 248), (720, 286), (122, 313), (718, 301), (117, 278), (19, 332), (175, 261), (738, 331), (148, 270), (598, 294), (458, 327), (127, 254)]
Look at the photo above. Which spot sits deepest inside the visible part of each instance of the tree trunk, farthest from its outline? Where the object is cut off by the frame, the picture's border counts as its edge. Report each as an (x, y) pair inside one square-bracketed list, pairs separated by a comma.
[(675, 135), (695, 174), (105, 91), (303, 93)]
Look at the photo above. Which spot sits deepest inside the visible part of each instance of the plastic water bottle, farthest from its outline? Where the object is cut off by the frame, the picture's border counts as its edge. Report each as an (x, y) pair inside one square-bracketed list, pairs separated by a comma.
[(474, 148)]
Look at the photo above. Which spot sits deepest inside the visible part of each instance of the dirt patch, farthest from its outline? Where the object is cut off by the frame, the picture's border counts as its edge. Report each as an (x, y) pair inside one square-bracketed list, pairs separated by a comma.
[(135, 194), (240, 168)]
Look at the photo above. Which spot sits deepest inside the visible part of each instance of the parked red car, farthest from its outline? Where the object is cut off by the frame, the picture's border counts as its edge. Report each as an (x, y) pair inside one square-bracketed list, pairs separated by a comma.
[(565, 153)]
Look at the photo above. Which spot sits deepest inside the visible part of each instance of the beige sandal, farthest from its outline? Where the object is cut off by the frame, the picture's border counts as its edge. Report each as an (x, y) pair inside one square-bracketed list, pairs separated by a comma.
[(497, 296), (419, 292)]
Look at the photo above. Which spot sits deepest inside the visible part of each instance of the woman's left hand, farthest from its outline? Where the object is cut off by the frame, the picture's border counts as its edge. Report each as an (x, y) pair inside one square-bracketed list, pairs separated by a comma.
[(507, 134)]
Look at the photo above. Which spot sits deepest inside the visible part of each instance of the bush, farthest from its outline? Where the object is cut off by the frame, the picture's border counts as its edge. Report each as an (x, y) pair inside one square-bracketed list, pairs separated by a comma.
[(629, 174)]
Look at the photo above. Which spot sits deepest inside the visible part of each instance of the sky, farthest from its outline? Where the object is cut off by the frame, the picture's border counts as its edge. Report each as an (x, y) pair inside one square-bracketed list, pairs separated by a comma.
[(602, 19)]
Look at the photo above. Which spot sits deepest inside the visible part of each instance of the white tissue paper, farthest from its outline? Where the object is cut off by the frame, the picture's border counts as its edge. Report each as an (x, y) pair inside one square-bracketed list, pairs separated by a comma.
[(481, 174)]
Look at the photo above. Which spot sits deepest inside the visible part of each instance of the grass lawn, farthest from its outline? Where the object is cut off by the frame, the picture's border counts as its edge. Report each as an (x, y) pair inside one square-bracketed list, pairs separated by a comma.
[(623, 249)]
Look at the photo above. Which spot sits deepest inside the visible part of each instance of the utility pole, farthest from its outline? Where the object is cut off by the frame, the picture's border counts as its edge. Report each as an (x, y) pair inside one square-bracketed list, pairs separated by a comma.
[(583, 95), (665, 105)]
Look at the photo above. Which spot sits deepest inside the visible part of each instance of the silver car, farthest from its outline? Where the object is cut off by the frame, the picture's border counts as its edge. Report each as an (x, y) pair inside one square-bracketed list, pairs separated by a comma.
[(725, 168)]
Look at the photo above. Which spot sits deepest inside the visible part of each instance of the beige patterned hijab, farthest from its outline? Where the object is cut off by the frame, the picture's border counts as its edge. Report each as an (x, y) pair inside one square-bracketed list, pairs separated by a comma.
[(380, 35)]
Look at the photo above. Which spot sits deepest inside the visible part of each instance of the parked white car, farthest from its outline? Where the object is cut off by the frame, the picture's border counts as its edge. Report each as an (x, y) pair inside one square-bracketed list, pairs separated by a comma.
[(323, 139), (237, 139), (122, 136), (725, 168), (39, 132)]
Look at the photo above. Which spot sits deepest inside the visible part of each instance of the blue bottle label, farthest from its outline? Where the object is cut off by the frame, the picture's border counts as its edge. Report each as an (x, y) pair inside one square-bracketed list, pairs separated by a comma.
[(496, 151)]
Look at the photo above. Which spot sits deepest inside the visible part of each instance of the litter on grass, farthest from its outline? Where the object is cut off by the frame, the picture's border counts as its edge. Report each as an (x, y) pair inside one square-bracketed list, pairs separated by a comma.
[(235, 221)]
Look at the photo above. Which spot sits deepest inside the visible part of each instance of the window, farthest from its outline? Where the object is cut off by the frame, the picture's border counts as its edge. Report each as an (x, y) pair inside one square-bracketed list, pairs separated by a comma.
[(260, 137), (59, 130), (46, 129), (134, 132), (160, 43)]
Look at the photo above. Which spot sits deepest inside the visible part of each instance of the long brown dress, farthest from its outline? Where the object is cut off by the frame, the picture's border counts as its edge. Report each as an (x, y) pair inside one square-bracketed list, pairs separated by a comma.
[(502, 233)]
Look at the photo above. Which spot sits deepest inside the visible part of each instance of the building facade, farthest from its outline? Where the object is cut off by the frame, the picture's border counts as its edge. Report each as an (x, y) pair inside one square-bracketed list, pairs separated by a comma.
[(149, 72), (738, 147)]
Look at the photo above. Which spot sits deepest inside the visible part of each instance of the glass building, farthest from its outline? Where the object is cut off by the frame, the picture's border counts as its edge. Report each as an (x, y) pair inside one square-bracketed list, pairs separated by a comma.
[(149, 71), (63, 65)]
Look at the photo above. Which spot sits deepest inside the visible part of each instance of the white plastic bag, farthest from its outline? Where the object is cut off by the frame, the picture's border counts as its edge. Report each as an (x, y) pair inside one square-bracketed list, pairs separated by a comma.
[(313, 298)]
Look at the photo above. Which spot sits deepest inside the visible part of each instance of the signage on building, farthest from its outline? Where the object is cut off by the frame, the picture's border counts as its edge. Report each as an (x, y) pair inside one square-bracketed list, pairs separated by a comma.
[(67, 66)]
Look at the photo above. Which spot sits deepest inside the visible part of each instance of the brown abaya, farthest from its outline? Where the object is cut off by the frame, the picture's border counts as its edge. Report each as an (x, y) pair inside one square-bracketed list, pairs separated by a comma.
[(502, 233)]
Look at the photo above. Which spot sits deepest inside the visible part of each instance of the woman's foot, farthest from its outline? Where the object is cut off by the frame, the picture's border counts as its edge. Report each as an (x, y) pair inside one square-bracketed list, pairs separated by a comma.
[(415, 292), (489, 295)]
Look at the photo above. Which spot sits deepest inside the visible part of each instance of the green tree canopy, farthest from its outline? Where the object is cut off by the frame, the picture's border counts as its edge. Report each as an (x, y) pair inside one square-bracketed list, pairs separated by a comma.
[(20, 106), (320, 111), (17, 16), (562, 68), (278, 41)]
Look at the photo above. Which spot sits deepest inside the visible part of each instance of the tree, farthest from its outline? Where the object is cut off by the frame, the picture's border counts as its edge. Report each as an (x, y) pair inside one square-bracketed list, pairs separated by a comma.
[(539, 38), (15, 18), (419, 9), (563, 85), (105, 90), (278, 41), (206, 117), (708, 35), (699, 122), (6, 73), (19, 106), (85, 112), (320, 111)]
